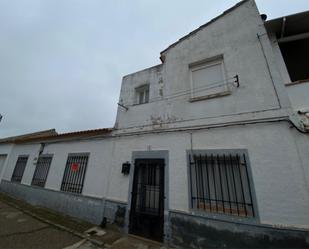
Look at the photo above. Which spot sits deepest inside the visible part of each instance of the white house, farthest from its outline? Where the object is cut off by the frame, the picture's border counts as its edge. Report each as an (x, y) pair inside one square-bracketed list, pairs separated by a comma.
[(209, 148)]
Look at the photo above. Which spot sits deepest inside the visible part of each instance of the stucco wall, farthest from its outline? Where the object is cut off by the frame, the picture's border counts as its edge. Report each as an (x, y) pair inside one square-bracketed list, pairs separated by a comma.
[(299, 95), (277, 154), (96, 178), (32, 151), (97, 168), (280, 187), (234, 36), (302, 147), (278, 175), (5, 150)]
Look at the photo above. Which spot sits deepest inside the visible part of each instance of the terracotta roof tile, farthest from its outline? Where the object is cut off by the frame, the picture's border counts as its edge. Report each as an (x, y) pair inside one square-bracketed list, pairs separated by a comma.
[(29, 135), (69, 135)]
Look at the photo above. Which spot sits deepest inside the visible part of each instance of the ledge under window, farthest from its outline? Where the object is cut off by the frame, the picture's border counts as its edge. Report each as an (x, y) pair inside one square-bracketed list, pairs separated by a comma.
[(210, 96)]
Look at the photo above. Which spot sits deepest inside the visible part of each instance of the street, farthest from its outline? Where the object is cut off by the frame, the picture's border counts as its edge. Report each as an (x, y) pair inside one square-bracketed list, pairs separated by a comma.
[(18, 230)]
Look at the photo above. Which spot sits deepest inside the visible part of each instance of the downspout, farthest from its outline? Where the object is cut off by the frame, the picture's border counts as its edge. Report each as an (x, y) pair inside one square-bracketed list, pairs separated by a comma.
[(268, 69)]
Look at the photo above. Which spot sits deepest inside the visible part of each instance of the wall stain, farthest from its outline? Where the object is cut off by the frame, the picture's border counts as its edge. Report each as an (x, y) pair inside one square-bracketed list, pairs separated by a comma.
[(196, 233)]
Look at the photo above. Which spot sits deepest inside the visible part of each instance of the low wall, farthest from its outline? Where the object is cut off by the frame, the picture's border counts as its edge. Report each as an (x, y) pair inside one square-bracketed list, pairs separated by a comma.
[(190, 231), (86, 208)]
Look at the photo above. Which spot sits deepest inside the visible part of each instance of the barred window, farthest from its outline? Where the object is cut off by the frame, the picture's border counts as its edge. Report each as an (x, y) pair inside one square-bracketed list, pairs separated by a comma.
[(74, 173), (19, 169), (41, 171), (220, 183)]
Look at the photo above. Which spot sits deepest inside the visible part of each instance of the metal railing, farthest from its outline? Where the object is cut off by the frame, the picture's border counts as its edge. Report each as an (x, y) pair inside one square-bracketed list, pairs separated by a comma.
[(19, 169), (74, 173), (220, 183), (148, 190), (41, 171)]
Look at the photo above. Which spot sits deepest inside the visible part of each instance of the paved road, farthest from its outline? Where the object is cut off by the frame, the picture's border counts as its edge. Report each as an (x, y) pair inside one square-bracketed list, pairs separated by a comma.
[(18, 230)]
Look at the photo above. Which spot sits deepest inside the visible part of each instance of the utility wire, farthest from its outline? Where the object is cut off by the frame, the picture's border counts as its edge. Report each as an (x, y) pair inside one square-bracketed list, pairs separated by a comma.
[(197, 88), (187, 92)]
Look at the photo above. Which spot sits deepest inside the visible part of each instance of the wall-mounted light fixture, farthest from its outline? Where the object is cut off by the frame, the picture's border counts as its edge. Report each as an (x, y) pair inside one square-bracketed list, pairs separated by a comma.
[(125, 168)]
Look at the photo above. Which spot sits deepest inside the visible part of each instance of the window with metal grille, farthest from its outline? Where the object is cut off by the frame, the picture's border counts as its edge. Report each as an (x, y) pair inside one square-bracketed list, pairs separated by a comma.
[(74, 173), (41, 171), (220, 183), (19, 169)]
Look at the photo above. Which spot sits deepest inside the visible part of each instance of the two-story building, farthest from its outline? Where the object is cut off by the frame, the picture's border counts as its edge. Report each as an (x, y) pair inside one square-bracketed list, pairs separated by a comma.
[(210, 148)]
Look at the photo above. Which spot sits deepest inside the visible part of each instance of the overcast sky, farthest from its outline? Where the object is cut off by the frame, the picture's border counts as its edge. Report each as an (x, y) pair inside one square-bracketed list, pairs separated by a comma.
[(62, 61)]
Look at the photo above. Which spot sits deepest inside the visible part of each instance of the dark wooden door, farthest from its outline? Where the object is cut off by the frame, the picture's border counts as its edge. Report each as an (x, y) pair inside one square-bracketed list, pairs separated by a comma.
[(147, 205)]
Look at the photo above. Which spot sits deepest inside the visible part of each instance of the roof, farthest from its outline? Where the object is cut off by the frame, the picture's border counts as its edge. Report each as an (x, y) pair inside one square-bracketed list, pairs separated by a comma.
[(52, 135), (29, 135), (290, 25), (69, 135), (201, 27)]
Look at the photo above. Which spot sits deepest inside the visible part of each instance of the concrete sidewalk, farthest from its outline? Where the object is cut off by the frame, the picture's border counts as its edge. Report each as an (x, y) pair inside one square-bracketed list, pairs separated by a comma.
[(18, 230), (26, 226)]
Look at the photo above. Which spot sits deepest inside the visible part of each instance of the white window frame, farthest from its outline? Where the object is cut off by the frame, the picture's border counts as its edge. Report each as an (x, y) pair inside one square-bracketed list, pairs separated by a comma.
[(221, 91), (142, 90)]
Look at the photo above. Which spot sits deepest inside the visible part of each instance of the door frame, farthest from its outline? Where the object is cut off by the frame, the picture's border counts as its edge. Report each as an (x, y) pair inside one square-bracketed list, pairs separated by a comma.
[(158, 154)]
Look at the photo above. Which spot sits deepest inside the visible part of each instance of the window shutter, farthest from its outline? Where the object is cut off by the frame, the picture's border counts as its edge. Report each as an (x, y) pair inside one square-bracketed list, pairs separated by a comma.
[(207, 80)]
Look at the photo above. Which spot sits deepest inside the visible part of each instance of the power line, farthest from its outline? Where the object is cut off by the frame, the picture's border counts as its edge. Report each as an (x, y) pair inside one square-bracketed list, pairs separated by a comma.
[(189, 91), (197, 88)]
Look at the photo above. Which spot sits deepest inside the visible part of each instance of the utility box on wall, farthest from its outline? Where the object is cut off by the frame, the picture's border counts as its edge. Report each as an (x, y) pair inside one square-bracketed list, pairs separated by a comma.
[(125, 168)]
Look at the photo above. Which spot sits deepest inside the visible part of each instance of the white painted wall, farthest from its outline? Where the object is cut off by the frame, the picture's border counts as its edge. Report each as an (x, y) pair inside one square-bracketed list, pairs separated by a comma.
[(99, 161), (281, 189), (234, 36), (276, 166), (5, 150), (32, 151), (2, 161), (277, 153), (299, 95), (97, 170)]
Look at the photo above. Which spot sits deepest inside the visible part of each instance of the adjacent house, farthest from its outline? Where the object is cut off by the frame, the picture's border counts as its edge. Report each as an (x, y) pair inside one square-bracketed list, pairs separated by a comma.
[(210, 148)]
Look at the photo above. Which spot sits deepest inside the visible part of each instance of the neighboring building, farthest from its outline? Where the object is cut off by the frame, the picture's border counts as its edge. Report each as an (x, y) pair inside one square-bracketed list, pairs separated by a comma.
[(210, 148)]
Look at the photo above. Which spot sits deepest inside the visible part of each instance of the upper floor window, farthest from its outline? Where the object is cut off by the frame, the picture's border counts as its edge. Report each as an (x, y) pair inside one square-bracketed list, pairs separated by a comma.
[(220, 183), (19, 169), (208, 79), (142, 94)]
